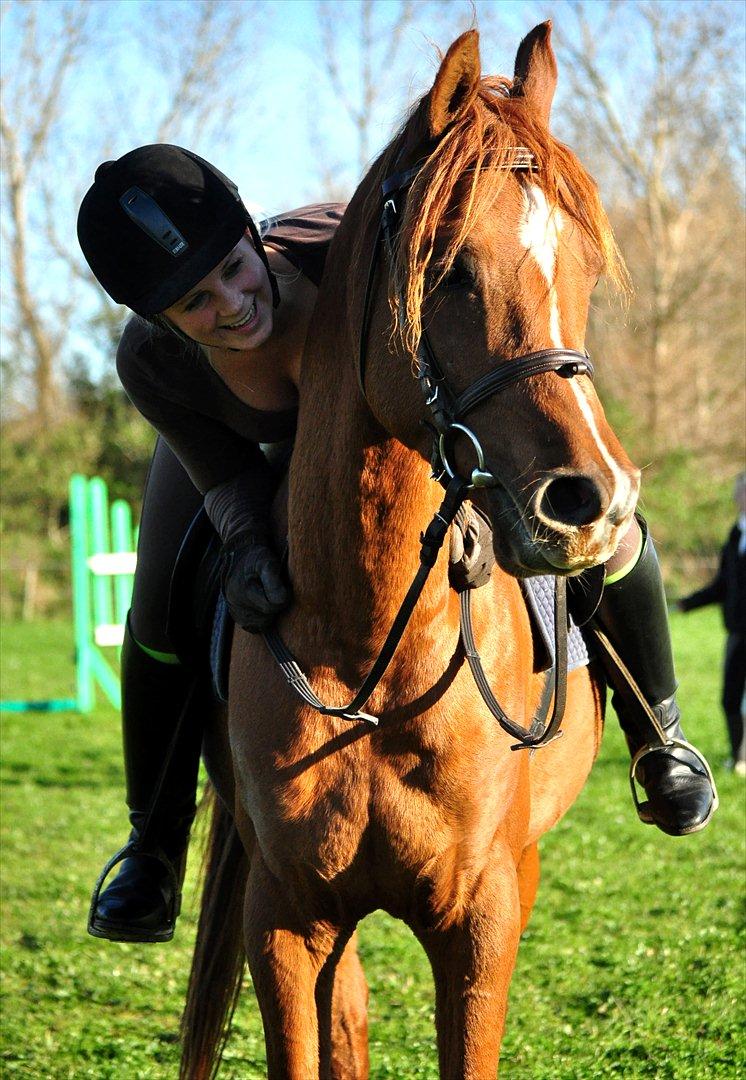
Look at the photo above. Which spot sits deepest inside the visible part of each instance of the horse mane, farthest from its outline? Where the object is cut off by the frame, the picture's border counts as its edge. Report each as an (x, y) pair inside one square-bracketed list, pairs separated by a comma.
[(475, 155)]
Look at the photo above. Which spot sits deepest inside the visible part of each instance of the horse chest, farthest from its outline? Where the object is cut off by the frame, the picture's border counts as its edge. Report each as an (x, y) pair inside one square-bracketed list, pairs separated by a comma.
[(397, 814), (375, 813)]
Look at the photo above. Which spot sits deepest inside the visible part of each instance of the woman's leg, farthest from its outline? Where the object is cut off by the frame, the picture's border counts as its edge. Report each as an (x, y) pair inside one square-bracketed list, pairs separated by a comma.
[(634, 615), (142, 900), (734, 687)]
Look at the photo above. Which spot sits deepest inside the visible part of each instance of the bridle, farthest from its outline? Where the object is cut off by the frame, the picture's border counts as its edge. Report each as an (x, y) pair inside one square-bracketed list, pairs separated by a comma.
[(447, 412), (447, 409)]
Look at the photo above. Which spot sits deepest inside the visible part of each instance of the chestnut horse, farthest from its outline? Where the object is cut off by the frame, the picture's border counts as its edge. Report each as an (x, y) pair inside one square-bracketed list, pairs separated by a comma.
[(499, 241)]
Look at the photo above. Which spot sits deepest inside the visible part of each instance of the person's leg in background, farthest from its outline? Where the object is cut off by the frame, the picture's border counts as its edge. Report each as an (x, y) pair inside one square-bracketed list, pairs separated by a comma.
[(734, 688)]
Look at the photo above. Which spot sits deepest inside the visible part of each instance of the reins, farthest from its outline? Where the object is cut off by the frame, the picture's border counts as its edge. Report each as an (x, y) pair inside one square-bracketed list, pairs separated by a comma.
[(431, 543), (447, 411)]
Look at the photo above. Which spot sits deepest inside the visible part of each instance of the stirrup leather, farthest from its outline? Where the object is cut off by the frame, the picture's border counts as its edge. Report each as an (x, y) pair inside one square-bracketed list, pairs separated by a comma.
[(651, 748)]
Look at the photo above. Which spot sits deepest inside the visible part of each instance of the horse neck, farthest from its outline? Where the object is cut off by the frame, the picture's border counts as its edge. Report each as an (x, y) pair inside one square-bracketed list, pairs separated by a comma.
[(358, 501)]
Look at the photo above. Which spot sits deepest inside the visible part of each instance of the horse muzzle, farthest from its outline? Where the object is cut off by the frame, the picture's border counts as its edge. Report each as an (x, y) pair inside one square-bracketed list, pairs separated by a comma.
[(572, 520)]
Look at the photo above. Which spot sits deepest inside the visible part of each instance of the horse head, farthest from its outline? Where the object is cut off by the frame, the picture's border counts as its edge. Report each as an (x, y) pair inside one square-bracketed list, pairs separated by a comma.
[(494, 241)]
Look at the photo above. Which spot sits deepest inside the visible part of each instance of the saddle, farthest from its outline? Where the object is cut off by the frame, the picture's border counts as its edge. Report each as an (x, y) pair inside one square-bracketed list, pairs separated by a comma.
[(200, 625)]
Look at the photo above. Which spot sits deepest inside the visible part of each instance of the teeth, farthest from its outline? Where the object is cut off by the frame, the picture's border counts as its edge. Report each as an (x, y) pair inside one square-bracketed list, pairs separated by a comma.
[(246, 318)]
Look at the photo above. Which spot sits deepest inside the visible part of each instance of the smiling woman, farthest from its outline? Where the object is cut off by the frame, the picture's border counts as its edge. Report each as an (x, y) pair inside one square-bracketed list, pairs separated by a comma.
[(212, 360), (234, 299)]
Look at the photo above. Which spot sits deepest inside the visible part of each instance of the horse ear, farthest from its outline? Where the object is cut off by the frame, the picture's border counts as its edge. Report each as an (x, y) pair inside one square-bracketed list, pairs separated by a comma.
[(535, 77), (455, 85)]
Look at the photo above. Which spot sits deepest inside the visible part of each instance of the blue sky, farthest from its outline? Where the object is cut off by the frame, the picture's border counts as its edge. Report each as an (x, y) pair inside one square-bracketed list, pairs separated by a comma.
[(115, 91), (269, 154), (268, 150), (267, 146), (273, 162)]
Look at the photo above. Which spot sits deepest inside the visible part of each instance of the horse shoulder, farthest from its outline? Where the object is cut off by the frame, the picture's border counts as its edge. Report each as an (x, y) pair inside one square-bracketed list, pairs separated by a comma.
[(559, 771)]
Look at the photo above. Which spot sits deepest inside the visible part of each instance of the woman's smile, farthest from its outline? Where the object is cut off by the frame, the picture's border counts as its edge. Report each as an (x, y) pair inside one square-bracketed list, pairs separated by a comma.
[(247, 321)]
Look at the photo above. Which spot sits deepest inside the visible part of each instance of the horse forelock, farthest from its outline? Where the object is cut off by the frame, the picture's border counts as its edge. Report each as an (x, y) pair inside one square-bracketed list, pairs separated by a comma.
[(459, 181)]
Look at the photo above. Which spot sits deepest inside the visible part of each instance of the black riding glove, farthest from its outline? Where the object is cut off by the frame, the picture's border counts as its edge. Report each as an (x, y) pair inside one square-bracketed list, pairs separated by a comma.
[(250, 572), (253, 583)]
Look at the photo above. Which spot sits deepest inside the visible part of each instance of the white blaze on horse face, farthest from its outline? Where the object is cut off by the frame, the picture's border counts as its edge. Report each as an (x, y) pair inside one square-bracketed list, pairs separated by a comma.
[(622, 483), (539, 233)]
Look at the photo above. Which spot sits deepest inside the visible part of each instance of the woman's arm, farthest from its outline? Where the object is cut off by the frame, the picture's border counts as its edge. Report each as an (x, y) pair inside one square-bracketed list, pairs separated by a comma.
[(155, 369), (229, 470), (714, 593)]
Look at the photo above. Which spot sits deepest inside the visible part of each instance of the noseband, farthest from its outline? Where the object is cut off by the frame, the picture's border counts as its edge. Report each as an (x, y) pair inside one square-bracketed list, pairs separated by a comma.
[(447, 411)]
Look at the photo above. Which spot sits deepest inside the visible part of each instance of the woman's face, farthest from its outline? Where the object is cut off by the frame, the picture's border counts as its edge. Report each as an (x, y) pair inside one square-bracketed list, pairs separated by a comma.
[(231, 307)]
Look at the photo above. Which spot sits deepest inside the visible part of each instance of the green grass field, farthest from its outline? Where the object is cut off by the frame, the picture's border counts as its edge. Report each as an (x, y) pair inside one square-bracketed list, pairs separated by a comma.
[(632, 966)]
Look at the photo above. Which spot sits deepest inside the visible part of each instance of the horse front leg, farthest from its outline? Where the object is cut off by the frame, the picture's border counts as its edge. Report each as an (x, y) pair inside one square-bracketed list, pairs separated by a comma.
[(472, 962), (293, 963)]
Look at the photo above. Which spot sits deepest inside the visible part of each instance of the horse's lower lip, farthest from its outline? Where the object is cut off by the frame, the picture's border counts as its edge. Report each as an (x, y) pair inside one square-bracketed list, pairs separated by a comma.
[(545, 560), (572, 566), (533, 567), (522, 556), (531, 563)]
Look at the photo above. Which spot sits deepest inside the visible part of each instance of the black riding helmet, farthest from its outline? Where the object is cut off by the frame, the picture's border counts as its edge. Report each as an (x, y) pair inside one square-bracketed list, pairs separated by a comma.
[(156, 221)]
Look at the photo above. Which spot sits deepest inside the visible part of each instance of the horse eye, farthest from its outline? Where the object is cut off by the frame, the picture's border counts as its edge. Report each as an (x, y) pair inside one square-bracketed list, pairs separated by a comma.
[(462, 275)]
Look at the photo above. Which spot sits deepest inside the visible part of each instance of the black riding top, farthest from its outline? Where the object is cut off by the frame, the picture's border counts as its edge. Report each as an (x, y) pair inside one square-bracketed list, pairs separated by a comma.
[(212, 432)]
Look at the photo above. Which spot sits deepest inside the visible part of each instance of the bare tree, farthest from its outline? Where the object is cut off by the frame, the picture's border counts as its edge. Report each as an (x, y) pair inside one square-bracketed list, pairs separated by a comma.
[(31, 108), (50, 49), (370, 52), (655, 97), (378, 49), (201, 64)]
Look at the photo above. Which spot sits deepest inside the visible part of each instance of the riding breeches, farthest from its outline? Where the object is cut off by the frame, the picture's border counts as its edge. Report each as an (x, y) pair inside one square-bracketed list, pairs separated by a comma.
[(170, 503)]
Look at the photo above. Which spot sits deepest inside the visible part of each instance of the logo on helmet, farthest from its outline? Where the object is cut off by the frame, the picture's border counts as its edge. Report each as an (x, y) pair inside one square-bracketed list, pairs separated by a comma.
[(148, 215)]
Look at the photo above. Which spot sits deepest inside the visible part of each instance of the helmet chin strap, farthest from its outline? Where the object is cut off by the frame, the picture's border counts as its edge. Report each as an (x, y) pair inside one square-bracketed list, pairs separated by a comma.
[(261, 252)]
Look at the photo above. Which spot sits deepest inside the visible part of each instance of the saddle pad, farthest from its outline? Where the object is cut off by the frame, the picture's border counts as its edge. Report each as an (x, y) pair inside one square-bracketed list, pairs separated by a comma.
[(539, 594)]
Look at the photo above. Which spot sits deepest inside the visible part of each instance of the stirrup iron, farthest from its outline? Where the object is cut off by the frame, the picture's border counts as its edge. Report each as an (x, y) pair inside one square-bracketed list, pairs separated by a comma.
[(634, 780), (133, 847)]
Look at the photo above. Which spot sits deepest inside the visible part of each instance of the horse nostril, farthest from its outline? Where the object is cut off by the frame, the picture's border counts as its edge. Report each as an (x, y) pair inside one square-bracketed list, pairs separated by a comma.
[(572, 500)]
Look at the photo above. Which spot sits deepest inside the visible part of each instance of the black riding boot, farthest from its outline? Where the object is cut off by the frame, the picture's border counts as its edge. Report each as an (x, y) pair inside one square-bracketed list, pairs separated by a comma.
[(681, 796), (143, 900)]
